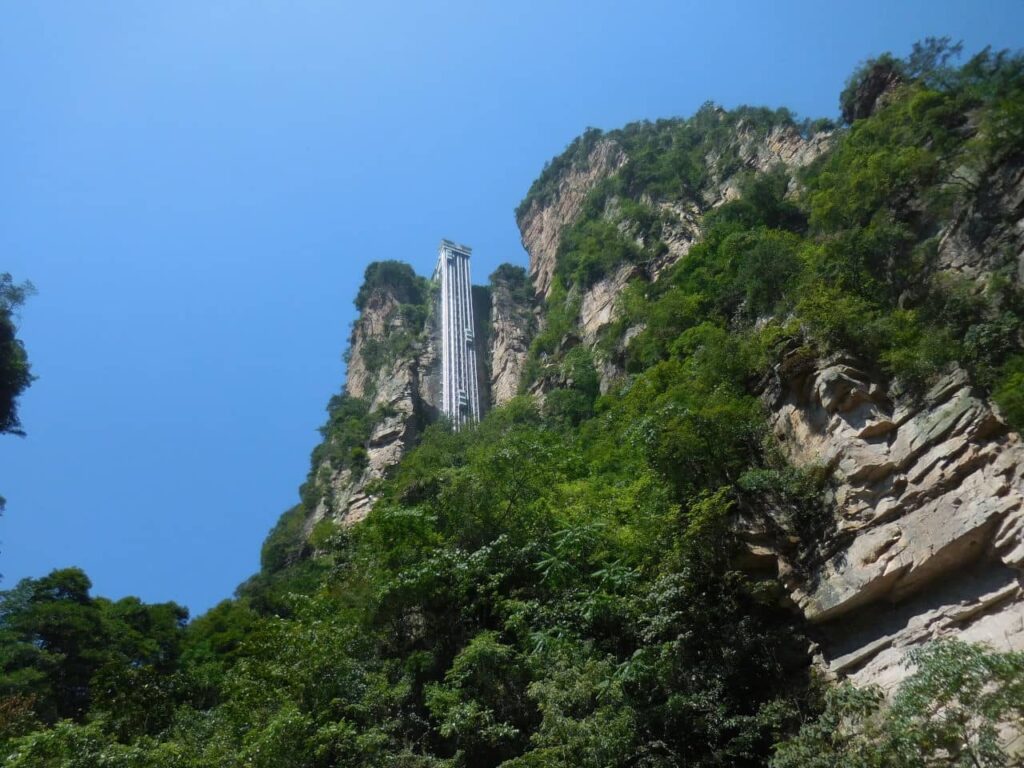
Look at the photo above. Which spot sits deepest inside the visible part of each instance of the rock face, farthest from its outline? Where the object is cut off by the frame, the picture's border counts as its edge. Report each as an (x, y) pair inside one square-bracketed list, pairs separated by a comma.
[(511, 328), (542, 225), (927, 538), (396, 368), (402, 386), (987, 234), (929, 498), (928, 491), (783, 145), (597, 308), (871, 91)]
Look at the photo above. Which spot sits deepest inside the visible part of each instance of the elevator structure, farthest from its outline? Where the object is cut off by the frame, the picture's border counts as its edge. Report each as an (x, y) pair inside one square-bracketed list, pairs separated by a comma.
[(460, 387)]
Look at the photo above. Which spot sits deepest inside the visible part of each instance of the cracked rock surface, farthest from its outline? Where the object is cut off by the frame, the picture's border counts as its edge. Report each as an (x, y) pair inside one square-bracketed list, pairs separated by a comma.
[(929, 504)]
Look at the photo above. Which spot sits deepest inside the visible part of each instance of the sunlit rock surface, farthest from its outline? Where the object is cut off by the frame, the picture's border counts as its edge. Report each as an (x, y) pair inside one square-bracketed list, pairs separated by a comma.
[(929, 504)]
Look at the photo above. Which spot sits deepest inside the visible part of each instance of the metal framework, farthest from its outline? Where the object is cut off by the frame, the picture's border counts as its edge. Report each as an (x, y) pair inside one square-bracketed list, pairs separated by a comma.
[(460, 390)]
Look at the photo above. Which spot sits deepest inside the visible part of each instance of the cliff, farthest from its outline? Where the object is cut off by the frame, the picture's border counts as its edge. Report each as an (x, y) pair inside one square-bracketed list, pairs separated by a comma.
[(767, 438), (924, 484), (590, 160), (926, 489), (661, 221), (512, 324), (393, 363), (392, 366), (394, 373), (928, 500)]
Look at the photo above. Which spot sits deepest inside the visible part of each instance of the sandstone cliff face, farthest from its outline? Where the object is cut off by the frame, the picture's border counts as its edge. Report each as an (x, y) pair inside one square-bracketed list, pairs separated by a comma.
[(987, 234), (402, 386), (597, 307), (396, 367), (542, 225), (511, 328), (784, 145), (928, 491), (929, 504)]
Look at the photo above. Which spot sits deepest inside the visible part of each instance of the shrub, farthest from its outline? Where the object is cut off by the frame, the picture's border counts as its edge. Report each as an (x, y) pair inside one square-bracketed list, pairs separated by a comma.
[(396, 277)]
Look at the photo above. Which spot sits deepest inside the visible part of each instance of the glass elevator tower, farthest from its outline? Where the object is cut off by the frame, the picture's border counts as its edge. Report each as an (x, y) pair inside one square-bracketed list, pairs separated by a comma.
[(460, 390)]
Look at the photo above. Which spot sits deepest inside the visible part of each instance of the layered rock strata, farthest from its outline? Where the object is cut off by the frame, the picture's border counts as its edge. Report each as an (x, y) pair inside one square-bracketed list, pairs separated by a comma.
[(929, 526)]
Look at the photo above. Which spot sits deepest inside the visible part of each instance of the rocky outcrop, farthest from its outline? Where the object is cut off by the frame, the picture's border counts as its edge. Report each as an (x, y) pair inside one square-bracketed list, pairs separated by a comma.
[(871, 90), (597, 309), (394, 364), (986, 234), (512, 321), (679, 232), (542, 224), (929, 514), (783, 145), (927, 539), (348, 500), (396, 368), (379, 319)]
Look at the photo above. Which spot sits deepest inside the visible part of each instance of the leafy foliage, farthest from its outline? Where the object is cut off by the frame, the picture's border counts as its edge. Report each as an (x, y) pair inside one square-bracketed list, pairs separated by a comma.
[(1010, 392), (948, 712), (397, 278), (851, 264), (65, 653), (15, 372)]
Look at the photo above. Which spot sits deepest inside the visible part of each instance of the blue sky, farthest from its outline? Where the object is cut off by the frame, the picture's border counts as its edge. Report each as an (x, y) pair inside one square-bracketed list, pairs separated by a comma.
[(195, 188)]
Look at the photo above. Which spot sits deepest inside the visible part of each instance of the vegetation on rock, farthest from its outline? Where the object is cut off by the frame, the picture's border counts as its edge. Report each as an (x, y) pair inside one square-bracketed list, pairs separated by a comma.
[(568, 583), (948, 712), (395, 277), (848, 263)]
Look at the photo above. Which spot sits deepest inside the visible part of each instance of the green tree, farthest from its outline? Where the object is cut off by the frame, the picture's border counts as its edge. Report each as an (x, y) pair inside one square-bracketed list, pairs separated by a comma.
[(15, 372), (66, 651), (953, 710)]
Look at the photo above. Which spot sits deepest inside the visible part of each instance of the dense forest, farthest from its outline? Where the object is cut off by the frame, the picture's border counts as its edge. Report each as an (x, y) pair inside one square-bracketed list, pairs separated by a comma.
[(561, 585)]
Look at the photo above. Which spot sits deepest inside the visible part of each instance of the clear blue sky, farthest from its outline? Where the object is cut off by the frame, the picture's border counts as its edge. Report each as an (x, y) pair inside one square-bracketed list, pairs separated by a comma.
[(195, 188)]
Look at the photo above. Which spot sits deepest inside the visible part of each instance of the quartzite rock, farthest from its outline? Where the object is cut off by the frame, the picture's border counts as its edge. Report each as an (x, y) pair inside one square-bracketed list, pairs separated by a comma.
[(542, 225)]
